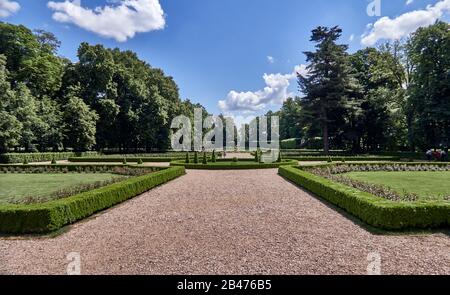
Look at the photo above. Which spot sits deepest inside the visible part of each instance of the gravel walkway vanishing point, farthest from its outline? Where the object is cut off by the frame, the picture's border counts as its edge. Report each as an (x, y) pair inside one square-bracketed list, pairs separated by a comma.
[(225, 222)]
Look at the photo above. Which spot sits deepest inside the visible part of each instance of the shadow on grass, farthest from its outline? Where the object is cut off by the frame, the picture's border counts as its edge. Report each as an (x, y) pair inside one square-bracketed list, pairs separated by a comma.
[(371, 229)]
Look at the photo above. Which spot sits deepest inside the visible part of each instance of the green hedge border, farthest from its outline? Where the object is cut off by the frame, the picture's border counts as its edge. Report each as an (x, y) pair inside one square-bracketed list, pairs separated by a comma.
[(120, 160), (346, 158), (53, 215), (11, 158), (370, 209), (228, 164)]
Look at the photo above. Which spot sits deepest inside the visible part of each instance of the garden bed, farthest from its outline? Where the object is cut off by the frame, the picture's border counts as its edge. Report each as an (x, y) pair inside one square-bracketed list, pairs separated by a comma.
[(362, 200), (53, 215), (227, 164)]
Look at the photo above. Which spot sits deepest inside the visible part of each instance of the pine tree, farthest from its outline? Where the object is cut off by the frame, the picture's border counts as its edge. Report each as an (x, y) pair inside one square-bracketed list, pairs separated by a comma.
[(328, 84)]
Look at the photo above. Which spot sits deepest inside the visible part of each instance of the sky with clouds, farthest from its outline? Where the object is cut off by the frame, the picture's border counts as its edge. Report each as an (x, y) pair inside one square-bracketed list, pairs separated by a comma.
[(238, 57)]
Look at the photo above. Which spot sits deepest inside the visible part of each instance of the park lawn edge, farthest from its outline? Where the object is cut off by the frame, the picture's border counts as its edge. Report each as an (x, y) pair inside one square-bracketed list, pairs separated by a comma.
[(53, 215), (373, 210), (242, 164)]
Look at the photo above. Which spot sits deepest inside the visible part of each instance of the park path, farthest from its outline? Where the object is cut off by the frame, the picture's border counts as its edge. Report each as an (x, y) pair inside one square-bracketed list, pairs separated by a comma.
[(225, 222)]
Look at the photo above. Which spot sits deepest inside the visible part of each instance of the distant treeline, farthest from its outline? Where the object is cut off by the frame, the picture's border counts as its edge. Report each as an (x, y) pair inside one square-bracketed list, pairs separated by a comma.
[(394, 97), (107, 99)]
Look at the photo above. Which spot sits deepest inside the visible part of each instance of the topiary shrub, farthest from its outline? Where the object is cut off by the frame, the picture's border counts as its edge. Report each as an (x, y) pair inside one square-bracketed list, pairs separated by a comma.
[(205, 159), (53, 161), (280, 157), (196, 158), (213, 158), (257, 156), (124, 161), (330, 160), (235, 160), (188, 160), (140, 162), (25, 161)]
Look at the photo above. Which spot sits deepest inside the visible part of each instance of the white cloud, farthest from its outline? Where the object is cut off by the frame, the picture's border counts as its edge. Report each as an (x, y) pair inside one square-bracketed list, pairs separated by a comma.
[(120, 20), (405, 24), (8, 7), (351, 38), (408, 2), (275, 92), (270, 59)]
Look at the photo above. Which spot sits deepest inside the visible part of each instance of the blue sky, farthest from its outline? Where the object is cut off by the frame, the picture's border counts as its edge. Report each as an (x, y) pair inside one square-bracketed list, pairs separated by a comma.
[(214, 47)]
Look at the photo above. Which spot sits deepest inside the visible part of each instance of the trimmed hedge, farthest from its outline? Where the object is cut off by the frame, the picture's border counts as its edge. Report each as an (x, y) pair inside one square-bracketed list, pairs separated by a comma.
[(346, 158), (12, 158), (120, 159), (372, 210), (229, 164), (53, 215)]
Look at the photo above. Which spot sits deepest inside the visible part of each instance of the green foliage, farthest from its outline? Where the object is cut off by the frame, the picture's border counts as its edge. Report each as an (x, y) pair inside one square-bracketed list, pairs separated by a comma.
[(80, 122), (280, 157), (53, 161), (213, 157), (124, 161), (188, 160), (205, 159), (140, 162), (25, 161), (51, 216), (289, 144), (235, 160), (118, 159), (196, 160), (330, 160), (373, 210)]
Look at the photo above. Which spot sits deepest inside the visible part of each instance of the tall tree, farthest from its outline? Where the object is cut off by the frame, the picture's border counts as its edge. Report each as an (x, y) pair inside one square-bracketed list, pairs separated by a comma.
[(430, 90), (79, 122), (328, 85)]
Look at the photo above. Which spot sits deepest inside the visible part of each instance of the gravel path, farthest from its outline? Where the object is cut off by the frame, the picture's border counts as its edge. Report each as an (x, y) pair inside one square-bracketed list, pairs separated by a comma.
[(225, 222)]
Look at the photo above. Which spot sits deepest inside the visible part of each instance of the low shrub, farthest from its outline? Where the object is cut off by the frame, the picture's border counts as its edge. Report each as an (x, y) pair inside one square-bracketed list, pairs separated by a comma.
[(205, 159), (213, 157), (51, 216), (227, 164), (196, 158), (187, 158), (371, 209)]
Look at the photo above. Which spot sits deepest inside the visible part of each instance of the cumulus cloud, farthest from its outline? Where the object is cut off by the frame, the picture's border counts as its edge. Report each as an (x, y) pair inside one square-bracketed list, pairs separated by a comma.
[(8, 7), (270, 59), (408, 2), (275, 92), (121, 19), (405, 24)]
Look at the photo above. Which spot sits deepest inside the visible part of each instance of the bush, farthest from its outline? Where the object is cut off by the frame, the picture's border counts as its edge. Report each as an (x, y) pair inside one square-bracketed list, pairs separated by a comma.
[(213, 157), (196, 158), (53, 161), (124, 161), (25, 161), (14, 158), (235, 160), (187, 158), (280, 157), (205, 159), (120, 159), (373, 210), (140, 162), (51, 216), (289, 144)]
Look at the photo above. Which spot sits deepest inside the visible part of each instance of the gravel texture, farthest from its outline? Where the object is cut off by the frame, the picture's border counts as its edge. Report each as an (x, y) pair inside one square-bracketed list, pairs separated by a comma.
[(225, 222)]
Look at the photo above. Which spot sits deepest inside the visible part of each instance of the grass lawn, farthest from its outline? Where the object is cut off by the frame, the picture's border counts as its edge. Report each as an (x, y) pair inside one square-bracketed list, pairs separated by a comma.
[(38, 185), (424, 184)]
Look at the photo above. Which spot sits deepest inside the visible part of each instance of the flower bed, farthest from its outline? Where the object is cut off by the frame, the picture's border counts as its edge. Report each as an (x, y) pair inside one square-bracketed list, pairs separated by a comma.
[(374, 210), (53, 215)]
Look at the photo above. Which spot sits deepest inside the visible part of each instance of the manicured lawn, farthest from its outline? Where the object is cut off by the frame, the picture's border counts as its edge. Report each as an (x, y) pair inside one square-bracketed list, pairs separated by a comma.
[(423, 184), (37, 185)]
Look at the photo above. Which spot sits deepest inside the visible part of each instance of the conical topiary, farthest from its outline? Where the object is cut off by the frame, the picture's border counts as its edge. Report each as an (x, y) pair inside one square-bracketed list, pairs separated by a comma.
[(213, 158), (280, 157), (257, 156), (25, 161), (196, 158), (140, 162), (205, 159), (188, 160), (124, 161), (53, 161)]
